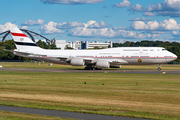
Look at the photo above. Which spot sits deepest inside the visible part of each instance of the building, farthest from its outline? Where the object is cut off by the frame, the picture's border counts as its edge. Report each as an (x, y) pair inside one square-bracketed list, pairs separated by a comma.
[(60, 44), (89, 45), (74, 45)]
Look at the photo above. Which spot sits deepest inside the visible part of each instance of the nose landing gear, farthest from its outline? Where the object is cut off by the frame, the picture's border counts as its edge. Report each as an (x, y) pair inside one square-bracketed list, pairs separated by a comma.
[(159, 67)]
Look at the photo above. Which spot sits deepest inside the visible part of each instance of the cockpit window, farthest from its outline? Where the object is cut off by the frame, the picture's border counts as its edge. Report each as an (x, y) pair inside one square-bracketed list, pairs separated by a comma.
[(163, 49)]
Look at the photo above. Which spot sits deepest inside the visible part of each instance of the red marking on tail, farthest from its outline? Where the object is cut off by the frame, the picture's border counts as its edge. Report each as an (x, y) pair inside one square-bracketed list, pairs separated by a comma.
[(19, 34)]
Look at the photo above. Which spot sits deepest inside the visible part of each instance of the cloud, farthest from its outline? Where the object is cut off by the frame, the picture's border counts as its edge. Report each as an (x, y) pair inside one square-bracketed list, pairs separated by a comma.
[(171, 5), (140, 19), (149, 14), (89, 23), (33, 22), (7, 26), (176, 34), (157, 32), (136, 8), (24, 27), (120, 28), (166, 8), (53, 28), (98, 25), (140, 25), (104, 33), (90, 30), (125, 3), (153, 36), (50, 28), (169, 13), (69, 25), (170, 24), (72, 2)]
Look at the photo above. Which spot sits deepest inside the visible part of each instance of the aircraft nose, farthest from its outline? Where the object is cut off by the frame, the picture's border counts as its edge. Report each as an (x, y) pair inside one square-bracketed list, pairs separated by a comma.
[(174, 56)]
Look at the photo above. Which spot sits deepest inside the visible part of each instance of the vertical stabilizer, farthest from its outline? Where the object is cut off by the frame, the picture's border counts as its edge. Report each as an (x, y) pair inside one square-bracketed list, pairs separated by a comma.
[(22, 42)]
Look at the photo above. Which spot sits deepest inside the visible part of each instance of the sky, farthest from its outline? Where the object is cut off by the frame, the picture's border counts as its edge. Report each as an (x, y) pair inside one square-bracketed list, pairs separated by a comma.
[(95, 20)]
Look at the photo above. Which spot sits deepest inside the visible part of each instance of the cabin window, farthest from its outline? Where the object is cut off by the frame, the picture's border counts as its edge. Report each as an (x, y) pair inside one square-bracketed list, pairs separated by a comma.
[(163, 49)]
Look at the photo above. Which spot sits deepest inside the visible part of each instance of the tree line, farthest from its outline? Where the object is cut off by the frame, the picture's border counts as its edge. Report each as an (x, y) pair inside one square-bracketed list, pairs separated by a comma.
[(173, 47)]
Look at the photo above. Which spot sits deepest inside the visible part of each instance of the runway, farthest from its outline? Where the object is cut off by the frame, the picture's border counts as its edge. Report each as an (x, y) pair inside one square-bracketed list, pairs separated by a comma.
[(93, 71), (64, 114)]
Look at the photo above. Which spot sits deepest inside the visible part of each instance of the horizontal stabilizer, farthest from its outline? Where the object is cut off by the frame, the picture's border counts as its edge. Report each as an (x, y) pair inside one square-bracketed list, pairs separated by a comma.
[(26, 54)]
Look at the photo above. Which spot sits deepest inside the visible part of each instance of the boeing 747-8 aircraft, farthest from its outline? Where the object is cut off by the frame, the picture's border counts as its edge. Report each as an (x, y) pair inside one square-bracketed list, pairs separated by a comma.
[(92, 59)]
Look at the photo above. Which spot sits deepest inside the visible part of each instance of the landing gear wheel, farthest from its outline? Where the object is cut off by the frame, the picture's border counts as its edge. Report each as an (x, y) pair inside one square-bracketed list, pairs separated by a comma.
[(89, 68), (159, 69), (92, 68)]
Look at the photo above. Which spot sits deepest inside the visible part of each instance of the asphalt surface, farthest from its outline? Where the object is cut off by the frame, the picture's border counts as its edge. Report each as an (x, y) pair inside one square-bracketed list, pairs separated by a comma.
[(64, 114), (93, 71)]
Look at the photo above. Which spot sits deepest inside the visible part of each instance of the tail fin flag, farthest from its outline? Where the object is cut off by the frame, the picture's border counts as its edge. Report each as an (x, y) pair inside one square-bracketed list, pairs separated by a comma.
[(22, 41)]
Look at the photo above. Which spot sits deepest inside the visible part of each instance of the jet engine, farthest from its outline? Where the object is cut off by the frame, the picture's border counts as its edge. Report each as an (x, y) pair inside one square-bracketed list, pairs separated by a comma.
[(77, 62), (102, 64), (115, 66)]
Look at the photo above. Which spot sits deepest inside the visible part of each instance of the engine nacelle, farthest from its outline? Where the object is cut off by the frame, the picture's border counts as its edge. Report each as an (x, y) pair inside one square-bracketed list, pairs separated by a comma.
[(77, 62), (115, 66), (102, 64)]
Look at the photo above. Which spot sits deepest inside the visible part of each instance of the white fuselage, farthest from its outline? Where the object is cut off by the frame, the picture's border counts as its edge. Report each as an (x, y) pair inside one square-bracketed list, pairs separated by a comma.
[(133, 55)]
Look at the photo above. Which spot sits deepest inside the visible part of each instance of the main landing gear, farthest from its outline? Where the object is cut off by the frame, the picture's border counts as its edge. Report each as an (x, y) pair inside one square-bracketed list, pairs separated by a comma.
[(89, 68), (92, 68), (159, 68)]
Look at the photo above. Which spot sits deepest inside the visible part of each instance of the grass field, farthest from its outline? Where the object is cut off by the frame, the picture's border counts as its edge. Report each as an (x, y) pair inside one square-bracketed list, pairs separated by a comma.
[(58, 66), (154, 96)]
